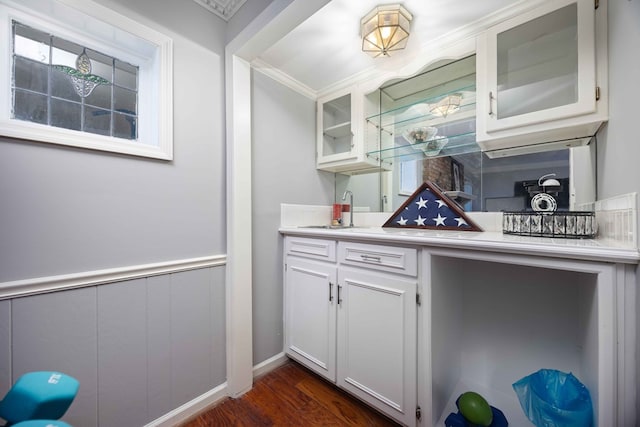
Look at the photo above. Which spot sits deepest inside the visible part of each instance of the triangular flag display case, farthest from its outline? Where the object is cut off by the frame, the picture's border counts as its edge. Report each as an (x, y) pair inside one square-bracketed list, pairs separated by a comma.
[(428, 207)]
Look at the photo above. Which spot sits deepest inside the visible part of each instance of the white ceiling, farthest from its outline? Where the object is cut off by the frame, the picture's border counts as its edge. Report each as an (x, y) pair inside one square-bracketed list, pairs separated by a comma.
[(326, 48)]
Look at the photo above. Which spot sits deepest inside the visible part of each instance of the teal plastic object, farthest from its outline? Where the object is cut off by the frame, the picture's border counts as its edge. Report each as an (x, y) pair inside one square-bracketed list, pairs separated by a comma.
[(42, 423), (42, 395), (551, 398)]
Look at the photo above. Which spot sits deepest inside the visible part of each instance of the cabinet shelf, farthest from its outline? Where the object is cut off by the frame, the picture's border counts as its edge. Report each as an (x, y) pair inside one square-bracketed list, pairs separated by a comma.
[(338, 131), (423, 112), (456, 145), (393, 132)]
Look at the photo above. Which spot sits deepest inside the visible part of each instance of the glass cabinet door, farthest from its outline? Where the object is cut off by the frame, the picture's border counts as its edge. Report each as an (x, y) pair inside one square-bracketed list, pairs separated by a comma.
[(541, 65), (335, 124)]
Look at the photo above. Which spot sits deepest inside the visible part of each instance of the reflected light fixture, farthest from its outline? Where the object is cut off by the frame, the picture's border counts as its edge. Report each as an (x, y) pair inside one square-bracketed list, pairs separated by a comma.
[(385, 29), (447, 105)]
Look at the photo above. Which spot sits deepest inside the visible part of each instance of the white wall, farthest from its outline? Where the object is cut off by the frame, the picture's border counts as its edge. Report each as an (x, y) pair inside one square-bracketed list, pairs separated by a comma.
[(283, 172)]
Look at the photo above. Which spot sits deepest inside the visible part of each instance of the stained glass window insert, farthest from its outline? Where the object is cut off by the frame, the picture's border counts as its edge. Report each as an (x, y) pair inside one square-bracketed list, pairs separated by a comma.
[(60, 83)]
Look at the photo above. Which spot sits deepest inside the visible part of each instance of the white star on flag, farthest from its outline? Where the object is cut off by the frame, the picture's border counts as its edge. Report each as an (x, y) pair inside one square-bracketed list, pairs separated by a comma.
[(402, 221), (422, 203), (440, 220), (440, 203), (461, 221), (420, 220)]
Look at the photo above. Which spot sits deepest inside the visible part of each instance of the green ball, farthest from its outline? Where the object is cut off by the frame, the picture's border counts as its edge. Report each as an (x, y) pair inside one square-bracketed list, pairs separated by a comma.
[(475, 409)]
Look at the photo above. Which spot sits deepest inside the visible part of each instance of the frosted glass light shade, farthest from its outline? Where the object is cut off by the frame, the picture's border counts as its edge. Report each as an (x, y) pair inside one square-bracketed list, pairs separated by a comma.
[(385, 29)]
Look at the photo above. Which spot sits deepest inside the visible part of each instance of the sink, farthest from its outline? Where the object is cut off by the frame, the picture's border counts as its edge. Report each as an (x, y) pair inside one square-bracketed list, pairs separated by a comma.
[(328, 227)]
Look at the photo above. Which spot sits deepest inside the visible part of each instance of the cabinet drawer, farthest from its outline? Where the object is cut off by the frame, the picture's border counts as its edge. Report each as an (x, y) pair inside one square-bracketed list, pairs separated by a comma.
[(311, 248), (386, 258)]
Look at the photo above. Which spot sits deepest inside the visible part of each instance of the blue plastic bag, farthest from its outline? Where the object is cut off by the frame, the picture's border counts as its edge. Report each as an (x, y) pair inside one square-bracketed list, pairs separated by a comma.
[(551, 398)]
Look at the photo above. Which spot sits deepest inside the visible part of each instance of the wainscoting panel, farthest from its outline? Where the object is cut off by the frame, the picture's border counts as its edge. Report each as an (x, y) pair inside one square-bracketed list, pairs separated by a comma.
[(140, 348), (190, 331), (122, 350), (5, 347), (57, 332), (218, 328), (159, 344)]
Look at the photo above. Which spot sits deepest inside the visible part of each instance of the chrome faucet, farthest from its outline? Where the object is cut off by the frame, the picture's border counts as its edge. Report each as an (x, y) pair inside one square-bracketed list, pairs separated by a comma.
[(344, 197)]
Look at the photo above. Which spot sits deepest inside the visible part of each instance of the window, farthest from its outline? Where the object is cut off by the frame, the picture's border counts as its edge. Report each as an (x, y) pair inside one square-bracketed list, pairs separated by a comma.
[(72, 79), (410, 177), (59, 83)]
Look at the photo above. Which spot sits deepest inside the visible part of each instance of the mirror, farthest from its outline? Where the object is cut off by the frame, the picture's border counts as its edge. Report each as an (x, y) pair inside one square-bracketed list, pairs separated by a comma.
[(423, 128)]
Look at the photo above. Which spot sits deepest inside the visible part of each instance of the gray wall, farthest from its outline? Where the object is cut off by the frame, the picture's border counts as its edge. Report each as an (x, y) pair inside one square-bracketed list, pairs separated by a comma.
[(71, 210), (619, 142), (366, 190), (249, 10), (140, 348), (283, 172)]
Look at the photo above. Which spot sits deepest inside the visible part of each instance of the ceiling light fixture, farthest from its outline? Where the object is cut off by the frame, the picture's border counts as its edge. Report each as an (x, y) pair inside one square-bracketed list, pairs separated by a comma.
[(385, 29), (447, 105)]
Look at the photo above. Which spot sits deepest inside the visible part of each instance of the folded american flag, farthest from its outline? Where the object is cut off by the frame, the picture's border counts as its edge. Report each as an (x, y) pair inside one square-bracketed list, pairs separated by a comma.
[(428, 207)]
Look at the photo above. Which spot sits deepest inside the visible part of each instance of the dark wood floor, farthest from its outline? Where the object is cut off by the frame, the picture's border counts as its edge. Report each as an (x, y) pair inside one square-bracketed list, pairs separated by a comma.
[(291, 396)]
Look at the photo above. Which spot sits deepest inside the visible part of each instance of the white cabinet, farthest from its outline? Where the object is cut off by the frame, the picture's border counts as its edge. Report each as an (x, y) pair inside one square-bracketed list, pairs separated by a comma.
[(377, 340), (340, 143), (310, 303), (356, 326), (542, 76), (311, 315), (489, 316)]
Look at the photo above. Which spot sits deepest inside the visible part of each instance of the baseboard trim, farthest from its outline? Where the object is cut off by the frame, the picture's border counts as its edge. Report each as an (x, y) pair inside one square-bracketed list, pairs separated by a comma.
[(212, 397), (270, 364), (39, 285), (191, 408)]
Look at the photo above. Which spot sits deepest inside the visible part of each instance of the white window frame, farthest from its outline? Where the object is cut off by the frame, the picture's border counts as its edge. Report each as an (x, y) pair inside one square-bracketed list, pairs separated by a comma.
[(99, 28)]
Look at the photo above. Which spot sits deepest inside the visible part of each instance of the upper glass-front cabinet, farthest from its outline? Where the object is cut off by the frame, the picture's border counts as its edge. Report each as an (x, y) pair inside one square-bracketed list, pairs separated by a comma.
[(337, 136), (541, 68), (339, 144)]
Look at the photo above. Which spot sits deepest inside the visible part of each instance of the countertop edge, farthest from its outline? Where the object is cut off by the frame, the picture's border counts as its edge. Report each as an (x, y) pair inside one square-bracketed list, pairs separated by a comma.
[(522, 247)]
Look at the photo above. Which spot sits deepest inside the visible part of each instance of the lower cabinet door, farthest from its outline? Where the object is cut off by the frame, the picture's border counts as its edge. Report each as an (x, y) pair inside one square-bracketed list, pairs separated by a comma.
[(310, 314), (377, 340)]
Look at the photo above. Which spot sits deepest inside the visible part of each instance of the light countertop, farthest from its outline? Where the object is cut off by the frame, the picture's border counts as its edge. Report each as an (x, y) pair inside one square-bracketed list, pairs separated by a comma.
[(494, 241)]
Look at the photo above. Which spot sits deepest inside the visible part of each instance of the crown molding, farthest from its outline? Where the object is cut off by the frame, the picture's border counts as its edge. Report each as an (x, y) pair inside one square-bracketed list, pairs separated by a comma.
[(283, 78), (225, 9)]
